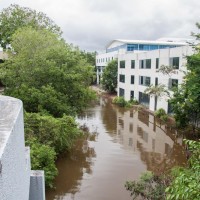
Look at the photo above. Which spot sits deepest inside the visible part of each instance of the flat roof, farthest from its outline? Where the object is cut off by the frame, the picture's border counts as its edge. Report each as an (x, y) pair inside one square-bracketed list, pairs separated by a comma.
[(153, 42)]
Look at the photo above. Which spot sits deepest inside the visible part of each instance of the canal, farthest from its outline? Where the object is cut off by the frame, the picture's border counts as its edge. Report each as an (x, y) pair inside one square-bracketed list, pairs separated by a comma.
[(123, 144)]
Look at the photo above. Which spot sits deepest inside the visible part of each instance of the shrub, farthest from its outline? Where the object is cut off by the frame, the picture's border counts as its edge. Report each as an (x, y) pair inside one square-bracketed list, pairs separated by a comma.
[(120, 101), (43, 158), (160, 112), (134, 102), (149, 186)]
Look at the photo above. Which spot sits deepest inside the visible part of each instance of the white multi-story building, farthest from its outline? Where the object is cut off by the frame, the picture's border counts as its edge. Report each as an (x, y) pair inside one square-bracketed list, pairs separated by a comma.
[(138, 64)]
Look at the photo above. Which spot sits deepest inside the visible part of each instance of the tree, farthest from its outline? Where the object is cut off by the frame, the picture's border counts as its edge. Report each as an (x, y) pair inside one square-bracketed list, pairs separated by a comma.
[(46, 73), (59, 133), (157, 91), (15, 17), (186, 99), (167, 70), (186, 181), (109, 77)]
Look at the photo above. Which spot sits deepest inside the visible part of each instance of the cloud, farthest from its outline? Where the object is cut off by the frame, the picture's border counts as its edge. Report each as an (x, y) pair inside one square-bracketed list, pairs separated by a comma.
[(91, 24)]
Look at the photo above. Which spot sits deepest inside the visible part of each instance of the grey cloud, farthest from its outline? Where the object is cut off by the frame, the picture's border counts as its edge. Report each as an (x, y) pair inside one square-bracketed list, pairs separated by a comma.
[(91, 24)]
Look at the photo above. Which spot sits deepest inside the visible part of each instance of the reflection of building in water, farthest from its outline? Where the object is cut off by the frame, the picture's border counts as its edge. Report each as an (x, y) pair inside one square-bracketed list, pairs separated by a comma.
[(138, 131), (140, 127)]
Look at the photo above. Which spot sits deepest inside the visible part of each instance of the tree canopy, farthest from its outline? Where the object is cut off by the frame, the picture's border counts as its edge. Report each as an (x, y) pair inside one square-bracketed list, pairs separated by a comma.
[(15, 17), (186, 99), (52, 79), (109, 77), (46, 73)]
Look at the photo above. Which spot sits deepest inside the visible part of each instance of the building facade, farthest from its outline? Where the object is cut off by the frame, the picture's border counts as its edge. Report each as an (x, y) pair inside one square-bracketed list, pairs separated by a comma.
[(138, 68)]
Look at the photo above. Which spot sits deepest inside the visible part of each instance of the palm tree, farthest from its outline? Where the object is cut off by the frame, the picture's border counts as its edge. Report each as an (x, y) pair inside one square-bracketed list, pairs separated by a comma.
[(156, 91)]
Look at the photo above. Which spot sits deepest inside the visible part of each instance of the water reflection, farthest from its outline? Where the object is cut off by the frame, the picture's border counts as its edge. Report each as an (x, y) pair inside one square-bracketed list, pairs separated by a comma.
[(125, 143), (72, 167), (160, 147)]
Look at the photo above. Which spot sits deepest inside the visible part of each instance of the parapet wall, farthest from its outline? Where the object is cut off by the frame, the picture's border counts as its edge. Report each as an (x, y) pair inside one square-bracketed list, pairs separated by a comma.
[(14, 156)]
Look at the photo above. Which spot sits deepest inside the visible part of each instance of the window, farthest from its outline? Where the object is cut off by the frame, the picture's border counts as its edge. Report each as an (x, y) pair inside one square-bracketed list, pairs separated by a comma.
[(132, 64), (144, 99), (132, 95), (141, 64), (122, 63), (122, 78), (169, 109), (174, 62), (156, 81), (144, 80), (121, 92), (173, 83), (157, 63), (145, 64), (148, 63), (132, 79), (147, 81)]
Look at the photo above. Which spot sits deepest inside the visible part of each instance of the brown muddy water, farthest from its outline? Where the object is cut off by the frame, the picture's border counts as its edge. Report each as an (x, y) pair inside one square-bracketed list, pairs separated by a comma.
[(123, 144)]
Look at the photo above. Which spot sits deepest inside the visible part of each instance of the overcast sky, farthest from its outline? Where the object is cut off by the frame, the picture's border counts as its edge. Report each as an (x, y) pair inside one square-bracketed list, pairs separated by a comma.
[(91, 24)]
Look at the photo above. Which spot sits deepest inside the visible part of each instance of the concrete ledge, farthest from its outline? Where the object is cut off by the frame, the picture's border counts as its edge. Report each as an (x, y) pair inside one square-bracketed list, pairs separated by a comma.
[(37, 185), (9, 112), (14, 158)]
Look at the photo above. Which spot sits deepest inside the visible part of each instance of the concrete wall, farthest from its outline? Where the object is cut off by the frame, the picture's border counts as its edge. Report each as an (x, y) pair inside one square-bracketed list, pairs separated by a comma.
[(14, 167), (15, 157), (37, 191)]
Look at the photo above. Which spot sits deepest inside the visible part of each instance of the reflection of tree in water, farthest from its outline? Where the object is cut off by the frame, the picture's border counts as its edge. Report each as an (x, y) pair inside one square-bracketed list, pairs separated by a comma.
[(109, 115), (72, 166)]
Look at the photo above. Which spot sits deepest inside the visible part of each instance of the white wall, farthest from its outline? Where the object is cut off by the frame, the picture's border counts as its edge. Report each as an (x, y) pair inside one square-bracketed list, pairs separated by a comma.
[(15, 157), (14, 163), (164, 57)]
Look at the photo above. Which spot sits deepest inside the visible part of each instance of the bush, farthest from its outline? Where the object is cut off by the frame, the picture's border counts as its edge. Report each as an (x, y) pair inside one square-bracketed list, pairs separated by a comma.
[(43, 158), (59, 133), (149, 186), (123, 103), (160, 112), (134, 102), (120, 101)]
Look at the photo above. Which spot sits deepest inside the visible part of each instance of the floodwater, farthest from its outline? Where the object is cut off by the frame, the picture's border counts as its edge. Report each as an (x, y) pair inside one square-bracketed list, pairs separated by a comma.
[(122, 145)]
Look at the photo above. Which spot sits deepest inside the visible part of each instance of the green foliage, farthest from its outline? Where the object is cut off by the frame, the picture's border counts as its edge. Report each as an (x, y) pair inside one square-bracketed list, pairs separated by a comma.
[(59, 133), (157, 90), (186, 181), (167, 70), (186, 99), (109, 77), (15, 17), (160, 112), (120, 101), (43, 158), (46, 73), (52, 79), (149, 186), (134, 102)]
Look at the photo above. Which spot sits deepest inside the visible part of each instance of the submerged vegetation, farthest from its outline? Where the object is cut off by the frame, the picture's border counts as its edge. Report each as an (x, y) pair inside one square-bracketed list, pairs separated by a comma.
[(51, 77), (120, 101)]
